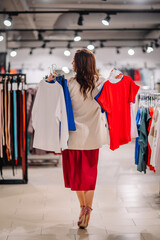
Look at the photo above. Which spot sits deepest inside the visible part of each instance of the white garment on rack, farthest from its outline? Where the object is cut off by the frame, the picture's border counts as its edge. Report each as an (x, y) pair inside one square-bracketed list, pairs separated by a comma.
[(49, 118), (134, 132), (154, 140)]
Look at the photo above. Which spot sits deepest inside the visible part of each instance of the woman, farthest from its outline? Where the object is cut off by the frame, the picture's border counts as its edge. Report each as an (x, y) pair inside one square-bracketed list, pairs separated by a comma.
[(81, 158)]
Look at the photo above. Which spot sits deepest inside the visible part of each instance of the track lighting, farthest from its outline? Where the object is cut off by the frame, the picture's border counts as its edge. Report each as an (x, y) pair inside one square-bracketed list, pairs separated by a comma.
[(144, 49), (31, 52), (77, 37), (117, 51), (150, 48), (44, 45), (106, 21), (8, 21), (1, 37), (101, 44), (40, 37), (13, 53), (131, 52), (90, 46), (67, 51), (80, 20), (157, 43), (50, 52)]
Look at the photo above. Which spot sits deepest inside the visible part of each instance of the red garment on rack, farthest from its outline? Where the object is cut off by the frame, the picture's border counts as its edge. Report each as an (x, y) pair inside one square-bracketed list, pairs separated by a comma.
[(115, 99), (151, 111), (137, 75)]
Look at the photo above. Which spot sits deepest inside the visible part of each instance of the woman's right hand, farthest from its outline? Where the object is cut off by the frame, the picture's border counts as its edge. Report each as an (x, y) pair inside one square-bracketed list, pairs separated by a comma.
[(50, 78)]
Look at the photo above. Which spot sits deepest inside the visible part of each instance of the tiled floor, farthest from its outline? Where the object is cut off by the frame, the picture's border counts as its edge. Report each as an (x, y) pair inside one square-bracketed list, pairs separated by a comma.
[(126, 204)]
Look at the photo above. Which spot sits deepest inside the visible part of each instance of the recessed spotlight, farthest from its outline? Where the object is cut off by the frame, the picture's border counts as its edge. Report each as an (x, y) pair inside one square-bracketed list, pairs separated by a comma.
[(149, 49), (65, 69)]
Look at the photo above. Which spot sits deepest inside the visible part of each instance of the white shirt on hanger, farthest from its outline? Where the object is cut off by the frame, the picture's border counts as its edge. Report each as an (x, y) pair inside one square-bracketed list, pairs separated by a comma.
[(49, 118)]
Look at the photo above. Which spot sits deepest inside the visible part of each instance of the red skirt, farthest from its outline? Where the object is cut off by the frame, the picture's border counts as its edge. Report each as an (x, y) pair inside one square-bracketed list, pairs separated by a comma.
[(80, 169)]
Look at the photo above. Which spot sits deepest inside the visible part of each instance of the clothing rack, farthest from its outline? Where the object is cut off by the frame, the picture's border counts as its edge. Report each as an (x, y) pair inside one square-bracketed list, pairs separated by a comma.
[(18, 80)]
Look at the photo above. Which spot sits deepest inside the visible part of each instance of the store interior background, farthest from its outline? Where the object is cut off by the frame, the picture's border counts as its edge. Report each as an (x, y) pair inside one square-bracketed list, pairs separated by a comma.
[(127, 202)]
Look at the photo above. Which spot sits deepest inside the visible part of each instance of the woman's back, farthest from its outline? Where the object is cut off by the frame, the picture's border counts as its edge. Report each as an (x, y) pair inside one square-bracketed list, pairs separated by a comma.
[(90, 123)]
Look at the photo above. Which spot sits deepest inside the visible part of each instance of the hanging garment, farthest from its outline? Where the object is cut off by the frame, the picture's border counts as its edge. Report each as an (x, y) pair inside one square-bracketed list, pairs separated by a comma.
[(1, 128), (134, 133), (137, 75), (80, 169), (115, 99), (15, 121), (90, 122), (143, 140), (154, 140), (48, 112), (69, 109), (151, 111), (138, 120)]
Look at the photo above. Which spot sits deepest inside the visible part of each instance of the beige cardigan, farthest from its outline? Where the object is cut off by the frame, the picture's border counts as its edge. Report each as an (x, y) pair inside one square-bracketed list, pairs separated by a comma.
[(91, 127)]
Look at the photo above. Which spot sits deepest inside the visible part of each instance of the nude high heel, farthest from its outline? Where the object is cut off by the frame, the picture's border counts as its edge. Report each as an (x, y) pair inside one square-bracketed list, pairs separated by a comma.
[(85, 217), (81, 214)]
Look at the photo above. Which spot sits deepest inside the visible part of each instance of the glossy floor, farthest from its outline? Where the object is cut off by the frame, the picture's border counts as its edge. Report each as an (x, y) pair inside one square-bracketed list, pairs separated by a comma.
[(126, 204)]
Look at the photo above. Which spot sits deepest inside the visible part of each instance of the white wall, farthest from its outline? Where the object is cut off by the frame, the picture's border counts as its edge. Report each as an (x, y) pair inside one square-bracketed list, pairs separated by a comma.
[(37, 64)]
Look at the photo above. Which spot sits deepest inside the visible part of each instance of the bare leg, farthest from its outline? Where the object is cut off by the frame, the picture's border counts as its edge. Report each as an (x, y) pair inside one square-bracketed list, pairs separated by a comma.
[(81, 198), (88, 196)]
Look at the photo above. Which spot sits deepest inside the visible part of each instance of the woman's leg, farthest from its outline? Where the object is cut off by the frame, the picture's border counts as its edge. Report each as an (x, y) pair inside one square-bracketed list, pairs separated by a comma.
[(81, 198), (88, 198)]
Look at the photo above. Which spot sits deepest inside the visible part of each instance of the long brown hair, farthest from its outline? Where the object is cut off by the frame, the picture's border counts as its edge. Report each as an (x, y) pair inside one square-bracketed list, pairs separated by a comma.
[(85, 68)]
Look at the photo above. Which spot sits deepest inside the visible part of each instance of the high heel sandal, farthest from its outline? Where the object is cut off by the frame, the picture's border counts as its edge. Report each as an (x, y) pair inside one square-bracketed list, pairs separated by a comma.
[(81, 214), (85, 217)]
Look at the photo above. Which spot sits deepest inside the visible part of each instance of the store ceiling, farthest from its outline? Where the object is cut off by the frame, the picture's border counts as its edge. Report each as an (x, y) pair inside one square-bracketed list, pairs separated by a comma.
[(115, 34)]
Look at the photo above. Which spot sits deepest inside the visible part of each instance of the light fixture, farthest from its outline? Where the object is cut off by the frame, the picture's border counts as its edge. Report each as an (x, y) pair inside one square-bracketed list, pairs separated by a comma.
[(8, 21), (1, 37), (101, 44), (144, 49), (13, 53), (77, 37), (31, 52), (149, 49), (65, 69), (157, 43), (50, 52), (106, 21), (117, 50), (43, 45), (40, 37), (67, 53), (80, 20), (90, 46), (131, 52)]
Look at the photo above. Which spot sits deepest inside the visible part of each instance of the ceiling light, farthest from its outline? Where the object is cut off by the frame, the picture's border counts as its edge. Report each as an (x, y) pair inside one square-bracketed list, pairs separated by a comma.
[(131, 52), (80, 20), (117, 51), (149, 49), (31, 51), (44, 45), (90, 47), (1, 37), (77, 38), (65, 69), (67, 53), (144, 49), (106, 20), (101, 44), (50, 52), (8, 21), (13, 53), (40, 37), (157, 43)]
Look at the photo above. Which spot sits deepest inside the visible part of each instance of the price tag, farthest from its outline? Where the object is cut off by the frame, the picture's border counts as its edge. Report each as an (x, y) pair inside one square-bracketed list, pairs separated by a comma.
[(14, 86), (9, 87), (24, 86)]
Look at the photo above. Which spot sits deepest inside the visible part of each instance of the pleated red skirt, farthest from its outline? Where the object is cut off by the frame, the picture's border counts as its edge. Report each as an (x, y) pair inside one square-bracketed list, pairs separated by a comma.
[(80, 169)]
